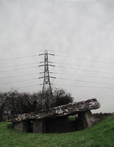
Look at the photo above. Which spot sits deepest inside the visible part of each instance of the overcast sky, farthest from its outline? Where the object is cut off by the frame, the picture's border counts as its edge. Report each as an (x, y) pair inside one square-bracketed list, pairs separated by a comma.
[(79, 32)]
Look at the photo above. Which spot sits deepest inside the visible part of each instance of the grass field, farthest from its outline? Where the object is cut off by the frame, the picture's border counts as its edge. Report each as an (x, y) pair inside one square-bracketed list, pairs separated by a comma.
[(100, 135)]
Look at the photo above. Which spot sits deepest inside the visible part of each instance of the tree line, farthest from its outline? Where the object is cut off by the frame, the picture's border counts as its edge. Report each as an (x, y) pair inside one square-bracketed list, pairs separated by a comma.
[(12, 103)]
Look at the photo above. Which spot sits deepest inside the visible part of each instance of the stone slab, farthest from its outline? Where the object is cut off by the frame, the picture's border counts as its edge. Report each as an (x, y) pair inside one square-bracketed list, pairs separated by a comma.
[(23, 126), (63, 110), (86, 118), (38, 126)]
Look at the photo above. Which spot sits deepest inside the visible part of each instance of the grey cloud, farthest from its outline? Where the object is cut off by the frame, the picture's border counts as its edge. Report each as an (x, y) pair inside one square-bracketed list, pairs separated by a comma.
[(78, 29)]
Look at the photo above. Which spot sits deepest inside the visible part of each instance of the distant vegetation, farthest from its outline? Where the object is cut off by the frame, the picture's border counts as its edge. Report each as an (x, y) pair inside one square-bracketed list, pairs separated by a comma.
[(16, 103), (99, 135)]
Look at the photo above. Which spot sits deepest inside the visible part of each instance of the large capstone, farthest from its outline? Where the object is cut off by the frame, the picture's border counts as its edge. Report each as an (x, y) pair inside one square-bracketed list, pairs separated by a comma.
[(56, 119), (63, 110)]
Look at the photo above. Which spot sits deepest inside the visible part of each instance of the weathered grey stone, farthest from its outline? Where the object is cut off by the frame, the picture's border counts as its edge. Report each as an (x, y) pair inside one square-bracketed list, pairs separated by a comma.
[(23, 126), (55, 119), (64, 110), (86, 118), (38, 126)]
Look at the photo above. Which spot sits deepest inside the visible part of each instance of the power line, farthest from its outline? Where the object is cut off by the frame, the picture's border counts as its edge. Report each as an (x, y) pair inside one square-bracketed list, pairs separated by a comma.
[(91, 55), (84, 75), (86, 81), (59, 67), (83, 59), (18, 81), (26, 86), (21, 87), (79, 86), (84, 65), (17, 58), (85, 70), (18, 65), (18, 76), (18, 69), (86, 86)]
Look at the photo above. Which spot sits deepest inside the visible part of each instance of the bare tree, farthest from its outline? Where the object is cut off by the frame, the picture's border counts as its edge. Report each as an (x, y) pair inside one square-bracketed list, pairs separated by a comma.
[(18, 103)]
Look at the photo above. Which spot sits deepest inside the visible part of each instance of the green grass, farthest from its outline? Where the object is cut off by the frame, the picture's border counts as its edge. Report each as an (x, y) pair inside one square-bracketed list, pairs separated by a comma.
[(100, 135), (72, 117)]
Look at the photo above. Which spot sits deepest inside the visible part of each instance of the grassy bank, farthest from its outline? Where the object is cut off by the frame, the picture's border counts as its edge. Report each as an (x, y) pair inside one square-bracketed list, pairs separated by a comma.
[(100, 135)]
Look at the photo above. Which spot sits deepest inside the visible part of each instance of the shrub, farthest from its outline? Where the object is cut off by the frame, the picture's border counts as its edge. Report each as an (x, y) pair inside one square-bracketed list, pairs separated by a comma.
[(17, 103), (62, 98)]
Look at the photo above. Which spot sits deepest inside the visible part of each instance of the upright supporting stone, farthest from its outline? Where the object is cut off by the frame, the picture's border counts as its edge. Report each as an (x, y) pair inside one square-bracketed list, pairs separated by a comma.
[(38, 126), (86, 118), (23, 126)]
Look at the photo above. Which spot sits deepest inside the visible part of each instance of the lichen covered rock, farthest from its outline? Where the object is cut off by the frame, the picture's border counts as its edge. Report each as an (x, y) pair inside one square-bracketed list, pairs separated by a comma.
[(63, 110)]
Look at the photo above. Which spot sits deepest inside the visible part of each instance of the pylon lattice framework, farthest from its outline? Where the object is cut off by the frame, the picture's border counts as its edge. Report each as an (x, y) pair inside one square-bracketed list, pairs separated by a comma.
[(46, 82)]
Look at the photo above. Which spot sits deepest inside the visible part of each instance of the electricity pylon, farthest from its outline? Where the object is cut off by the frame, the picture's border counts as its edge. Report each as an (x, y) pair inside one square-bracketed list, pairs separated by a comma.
[(46, 82)]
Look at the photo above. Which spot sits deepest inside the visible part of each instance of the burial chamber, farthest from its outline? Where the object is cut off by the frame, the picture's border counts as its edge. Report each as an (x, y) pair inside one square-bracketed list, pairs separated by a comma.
[(56, 119)]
